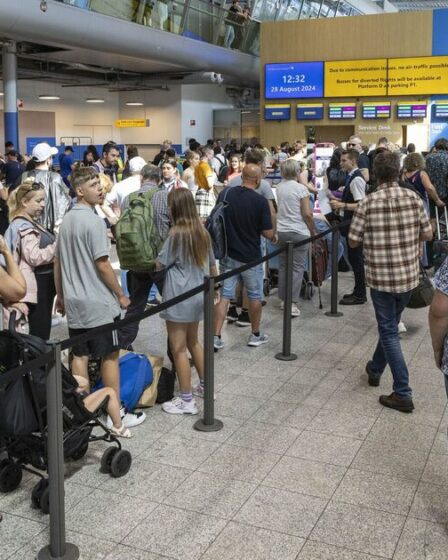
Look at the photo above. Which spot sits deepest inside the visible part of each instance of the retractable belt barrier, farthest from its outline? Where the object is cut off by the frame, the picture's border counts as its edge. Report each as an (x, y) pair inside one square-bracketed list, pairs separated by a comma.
[(58, 548)]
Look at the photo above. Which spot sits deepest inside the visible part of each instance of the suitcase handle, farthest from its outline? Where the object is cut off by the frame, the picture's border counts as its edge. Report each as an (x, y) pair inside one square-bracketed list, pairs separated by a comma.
[(445, 211)]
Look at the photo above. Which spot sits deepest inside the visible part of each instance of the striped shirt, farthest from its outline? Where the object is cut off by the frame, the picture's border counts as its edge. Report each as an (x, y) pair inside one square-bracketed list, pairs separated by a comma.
[(389, 223)]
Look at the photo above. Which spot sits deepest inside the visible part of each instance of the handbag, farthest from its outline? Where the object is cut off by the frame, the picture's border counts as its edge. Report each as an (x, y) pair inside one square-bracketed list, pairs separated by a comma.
[(421, 295)]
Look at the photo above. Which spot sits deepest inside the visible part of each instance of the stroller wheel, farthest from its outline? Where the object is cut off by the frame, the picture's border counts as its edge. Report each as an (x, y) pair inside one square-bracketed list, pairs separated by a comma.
[(37, 492), (121, 463), (106, 459), (10, 476)]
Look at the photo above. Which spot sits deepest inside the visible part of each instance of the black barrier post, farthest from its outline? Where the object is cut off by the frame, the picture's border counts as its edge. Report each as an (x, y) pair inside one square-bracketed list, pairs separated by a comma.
[(286, 355), (209, 423), (334, 275), (58, 549)]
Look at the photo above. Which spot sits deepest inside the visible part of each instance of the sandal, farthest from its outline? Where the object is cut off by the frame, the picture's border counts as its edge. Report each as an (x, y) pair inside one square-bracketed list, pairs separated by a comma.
[(121, 432)]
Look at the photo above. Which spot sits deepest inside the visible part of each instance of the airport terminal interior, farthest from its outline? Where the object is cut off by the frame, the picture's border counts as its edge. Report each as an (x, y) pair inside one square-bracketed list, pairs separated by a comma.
[(284, 163)]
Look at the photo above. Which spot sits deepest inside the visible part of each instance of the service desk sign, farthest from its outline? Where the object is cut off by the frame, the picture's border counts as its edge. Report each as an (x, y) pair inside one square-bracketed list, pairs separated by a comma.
[(131, 123), (294, 80)]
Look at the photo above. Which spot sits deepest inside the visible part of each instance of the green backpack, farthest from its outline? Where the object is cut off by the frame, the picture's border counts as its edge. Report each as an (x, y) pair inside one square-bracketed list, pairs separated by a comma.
[(138, 240)]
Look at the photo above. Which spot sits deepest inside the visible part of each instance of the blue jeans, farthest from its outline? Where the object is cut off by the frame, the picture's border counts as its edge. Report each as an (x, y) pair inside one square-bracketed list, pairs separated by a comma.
[(388, 309)]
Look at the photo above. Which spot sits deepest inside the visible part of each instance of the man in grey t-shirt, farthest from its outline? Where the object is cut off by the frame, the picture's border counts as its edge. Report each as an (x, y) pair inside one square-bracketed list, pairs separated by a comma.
[(87, 288)]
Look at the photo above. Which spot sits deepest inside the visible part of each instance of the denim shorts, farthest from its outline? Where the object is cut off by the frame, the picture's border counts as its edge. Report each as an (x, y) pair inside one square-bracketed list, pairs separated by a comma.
[(252, 279)]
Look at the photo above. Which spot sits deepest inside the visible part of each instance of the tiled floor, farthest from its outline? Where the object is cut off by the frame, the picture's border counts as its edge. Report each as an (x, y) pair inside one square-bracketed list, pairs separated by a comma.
[(308, 466)]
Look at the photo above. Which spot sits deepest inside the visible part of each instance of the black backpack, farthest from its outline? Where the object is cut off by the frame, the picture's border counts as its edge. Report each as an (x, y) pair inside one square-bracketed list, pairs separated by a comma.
[(336, 178), (216, 227), (165, 386)]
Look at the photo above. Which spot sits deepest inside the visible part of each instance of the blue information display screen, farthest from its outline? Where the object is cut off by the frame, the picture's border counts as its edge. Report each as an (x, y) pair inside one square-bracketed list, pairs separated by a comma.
[(277, 112), (310, 112), (296, 80)]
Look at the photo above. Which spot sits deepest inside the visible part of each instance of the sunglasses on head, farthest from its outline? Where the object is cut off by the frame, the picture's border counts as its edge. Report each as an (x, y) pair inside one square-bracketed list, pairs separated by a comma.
[(36, 187)]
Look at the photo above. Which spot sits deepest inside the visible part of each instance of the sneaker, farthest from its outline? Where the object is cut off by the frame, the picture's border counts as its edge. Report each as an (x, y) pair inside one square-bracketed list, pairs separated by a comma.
[(257, 340), (401, 328), (374, 380), (345, 296), (130, 419), (179, 406), (295, 311), (352, 300), (218, 343), (232, 314), (397, 403), (199, 391), (243, 319)]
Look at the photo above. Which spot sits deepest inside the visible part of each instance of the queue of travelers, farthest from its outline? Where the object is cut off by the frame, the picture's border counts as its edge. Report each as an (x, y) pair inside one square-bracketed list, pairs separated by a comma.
[(384, 201)]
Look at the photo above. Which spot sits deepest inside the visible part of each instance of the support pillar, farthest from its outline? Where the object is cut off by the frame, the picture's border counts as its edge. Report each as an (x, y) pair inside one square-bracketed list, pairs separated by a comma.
[(11, 118)]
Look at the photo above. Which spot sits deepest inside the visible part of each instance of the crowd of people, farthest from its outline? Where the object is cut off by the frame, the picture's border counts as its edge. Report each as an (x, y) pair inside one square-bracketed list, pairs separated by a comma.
[(59, 225)]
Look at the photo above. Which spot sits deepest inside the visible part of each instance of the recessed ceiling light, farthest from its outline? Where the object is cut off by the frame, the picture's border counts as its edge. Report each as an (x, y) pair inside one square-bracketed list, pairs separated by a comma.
[(94, 100), (134, 103), (1, 94), (49, 97)]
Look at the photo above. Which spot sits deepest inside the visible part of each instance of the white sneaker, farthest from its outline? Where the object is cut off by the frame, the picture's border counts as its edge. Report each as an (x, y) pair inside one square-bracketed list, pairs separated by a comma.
[(130, 419), (179, 406), (295, 311), (257, 340), (282, 305), (401, 328), (218, 343), (199, 391)]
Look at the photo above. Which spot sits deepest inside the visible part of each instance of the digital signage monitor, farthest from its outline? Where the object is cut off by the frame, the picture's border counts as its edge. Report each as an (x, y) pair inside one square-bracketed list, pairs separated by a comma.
[(411, 110), (294, 80), (277, 112), (440, 110), (342, 111), (376, 110), (310, 112)]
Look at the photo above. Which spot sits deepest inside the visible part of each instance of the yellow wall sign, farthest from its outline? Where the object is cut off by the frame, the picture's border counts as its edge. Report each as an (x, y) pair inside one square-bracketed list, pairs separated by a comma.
[(130, 123), (418, 76), (356, 78)]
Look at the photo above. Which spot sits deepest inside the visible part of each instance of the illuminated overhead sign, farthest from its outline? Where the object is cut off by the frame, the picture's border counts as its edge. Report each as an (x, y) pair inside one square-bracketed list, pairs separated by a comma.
[(294, 80), (376, 110), (356, 78), (342, 110), (310, 112), (411, 110), (277, 112)]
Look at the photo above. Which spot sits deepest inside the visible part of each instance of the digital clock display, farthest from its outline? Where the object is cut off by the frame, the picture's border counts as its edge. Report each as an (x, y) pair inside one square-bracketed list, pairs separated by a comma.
[(294, 80)]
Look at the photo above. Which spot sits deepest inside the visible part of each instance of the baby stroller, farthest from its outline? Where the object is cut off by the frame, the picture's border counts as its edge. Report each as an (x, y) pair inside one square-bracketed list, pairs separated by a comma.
[(23, 425)]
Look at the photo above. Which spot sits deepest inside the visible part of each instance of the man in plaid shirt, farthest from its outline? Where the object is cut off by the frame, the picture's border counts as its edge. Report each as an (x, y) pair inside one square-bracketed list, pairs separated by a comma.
[(391, 223)]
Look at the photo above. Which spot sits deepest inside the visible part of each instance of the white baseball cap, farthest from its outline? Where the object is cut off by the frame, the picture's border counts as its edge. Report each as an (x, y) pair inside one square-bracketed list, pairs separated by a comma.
[(43, 151), (136, 164)]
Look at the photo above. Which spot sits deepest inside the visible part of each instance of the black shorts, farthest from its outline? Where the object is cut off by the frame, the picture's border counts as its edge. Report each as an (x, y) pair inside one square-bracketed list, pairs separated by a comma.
[(99, 346)]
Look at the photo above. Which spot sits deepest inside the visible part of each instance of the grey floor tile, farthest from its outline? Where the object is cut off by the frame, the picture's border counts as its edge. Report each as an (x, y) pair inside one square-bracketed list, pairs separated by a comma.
[(87, 471), (305, 477), (147, 479), (327, 448), (354, 403), (436, 470), (233, 405), (422, 540), (186, 428), (292, 393), (15, 533), (90, 548), (250, 465), (180, 451), (158, 421), (309, 376), (378, 491), (267, 437), (257, 387), (360, 529), (441, 442), (340, 423), (108, 516), (180, 534), (396, 430), (381, 457), (122, 552), (274, 412), (211, 495), (430, 503), (319, 551), (283, 511), (241, 542), (302, 416)]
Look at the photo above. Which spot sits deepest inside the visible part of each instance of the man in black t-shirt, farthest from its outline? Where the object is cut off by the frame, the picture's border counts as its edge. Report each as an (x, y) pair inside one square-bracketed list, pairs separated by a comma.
[(247, 218), (355, 143)]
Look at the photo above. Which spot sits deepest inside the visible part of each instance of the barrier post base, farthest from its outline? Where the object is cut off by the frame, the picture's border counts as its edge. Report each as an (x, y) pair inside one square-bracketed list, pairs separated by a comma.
[(201, 426), (286, 358), (331, 314), (71, 553)]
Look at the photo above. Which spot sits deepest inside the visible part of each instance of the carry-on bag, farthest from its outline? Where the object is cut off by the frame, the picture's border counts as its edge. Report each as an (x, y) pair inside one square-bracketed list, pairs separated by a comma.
[(422, 294)]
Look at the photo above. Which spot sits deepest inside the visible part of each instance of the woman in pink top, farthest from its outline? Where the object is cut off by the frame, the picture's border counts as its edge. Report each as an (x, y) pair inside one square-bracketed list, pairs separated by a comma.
[(33, 248), (235, 168)]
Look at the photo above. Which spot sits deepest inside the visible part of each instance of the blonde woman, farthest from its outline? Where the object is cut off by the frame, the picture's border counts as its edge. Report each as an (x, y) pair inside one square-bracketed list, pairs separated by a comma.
[(33, 247), (188, 256)]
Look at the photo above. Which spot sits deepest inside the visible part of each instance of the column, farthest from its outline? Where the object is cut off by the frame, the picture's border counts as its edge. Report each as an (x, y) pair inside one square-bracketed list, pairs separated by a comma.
[(11, 120)]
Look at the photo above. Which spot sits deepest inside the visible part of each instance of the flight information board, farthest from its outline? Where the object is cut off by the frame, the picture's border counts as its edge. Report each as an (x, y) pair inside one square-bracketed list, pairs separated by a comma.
[(342, 110), (411, 110), (376, 110), (440, 109), (294, 80), (310, 112), (277, 112)]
